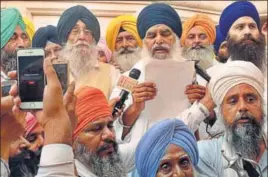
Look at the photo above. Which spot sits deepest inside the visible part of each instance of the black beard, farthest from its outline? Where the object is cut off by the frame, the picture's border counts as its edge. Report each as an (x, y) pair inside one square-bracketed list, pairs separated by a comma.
[(246, 137), (254, 52), (25, 164), (8, 61)]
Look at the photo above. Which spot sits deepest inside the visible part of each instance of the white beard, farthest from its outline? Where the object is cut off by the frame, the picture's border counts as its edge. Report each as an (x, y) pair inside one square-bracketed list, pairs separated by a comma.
[(205, 56), (81, 59), (127, 61), (174, 53)]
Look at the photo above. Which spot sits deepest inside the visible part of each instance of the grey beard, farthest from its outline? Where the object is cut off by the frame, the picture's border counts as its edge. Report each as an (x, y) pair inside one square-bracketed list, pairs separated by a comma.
[(245, 139), (110, 166), (204, 56), (8, 61), (127, 61), (81, 60), (254, 53)]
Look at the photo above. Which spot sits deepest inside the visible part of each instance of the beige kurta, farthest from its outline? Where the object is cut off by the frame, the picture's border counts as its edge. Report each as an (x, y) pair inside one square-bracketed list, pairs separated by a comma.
[(102, 77)]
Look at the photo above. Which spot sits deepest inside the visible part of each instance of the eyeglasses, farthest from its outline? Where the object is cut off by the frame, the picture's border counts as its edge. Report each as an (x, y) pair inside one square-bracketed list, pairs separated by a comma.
[(77, 31)]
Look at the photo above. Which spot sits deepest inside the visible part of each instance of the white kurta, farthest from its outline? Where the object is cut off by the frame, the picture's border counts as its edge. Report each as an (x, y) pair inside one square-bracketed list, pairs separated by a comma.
[(192, 117)]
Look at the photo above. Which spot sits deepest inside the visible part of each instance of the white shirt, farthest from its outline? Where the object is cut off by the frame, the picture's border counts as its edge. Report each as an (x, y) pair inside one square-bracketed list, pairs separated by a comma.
[(192, 117)]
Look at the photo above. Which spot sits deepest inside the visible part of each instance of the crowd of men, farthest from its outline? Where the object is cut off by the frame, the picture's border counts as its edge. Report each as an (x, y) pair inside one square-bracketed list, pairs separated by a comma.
[(223, 132)]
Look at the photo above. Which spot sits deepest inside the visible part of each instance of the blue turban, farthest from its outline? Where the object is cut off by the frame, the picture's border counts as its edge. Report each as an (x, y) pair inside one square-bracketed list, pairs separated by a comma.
[(69, 19), (158, 13), (45, 34), (153, 145), (219, 39), (236, 10), (10, 19)]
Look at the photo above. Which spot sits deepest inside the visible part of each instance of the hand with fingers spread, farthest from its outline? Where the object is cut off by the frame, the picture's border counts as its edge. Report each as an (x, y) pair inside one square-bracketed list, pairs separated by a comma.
[(143, 92), (57, 122), (195, 92)]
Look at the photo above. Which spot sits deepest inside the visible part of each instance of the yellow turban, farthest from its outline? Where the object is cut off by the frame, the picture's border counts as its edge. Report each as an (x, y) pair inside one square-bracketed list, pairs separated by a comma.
[(128, 23), (203, 22), (29, 27)]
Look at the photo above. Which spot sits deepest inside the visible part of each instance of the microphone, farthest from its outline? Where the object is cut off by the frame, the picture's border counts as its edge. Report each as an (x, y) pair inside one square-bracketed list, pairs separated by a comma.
[(202, 72), (135, 74)]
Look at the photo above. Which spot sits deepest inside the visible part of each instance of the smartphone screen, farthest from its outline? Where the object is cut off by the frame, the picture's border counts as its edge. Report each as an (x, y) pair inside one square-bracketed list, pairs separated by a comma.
[(31, 78), (62, 73)]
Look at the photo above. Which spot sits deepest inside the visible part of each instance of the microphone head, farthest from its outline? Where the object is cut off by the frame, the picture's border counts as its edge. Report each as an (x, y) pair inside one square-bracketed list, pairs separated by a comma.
[(135, 73)]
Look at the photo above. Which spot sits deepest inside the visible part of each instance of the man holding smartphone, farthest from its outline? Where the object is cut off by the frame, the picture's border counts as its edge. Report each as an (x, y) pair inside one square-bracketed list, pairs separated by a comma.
[(58, 138)]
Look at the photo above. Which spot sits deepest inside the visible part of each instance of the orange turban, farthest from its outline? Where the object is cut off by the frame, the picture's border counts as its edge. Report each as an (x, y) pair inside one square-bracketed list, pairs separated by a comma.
[(91, 105), (203, 22), (128, 23)]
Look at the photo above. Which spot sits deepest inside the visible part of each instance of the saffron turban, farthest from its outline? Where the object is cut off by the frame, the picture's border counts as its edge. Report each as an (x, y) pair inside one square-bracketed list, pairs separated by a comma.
[(29, 27), (91, 105), (103, 46), (219, 39), (235, 11), (158, 13), (202, 22), (31, 123), (69, 19), (10, 19), (231, 74), (45, 34), (126, 22), (153, 145)]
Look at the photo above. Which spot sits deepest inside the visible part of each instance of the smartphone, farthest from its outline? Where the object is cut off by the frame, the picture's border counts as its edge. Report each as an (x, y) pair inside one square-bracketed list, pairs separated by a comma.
[(6, 85), (31, 77), (62, 70)]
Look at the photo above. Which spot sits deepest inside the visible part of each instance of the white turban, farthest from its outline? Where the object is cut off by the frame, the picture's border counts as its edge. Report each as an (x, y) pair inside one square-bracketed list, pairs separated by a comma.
[(233, 73)]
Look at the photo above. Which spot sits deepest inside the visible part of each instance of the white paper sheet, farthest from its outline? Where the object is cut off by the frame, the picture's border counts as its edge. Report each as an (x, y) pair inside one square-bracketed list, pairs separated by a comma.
[(171, 78)]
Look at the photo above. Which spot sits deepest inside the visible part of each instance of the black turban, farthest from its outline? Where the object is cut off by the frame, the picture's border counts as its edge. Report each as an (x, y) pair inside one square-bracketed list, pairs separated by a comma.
[(44, 34), (69, 19), (158, 13)]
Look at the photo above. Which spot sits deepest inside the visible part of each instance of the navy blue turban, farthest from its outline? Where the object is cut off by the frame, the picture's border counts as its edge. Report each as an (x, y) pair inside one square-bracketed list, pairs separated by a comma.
[(158, 13), (45, 34), (69, 19), (236, 10), (153, 145), (219, 39)]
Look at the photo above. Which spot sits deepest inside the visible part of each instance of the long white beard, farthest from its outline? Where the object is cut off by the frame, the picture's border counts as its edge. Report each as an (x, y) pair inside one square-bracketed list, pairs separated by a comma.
[(81, 59), (174, 53), (127, 61), (205, 56)]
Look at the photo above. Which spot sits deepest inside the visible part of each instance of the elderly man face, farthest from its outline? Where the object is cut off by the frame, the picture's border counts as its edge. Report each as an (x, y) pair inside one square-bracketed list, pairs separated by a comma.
[(245, 41), (175, 162), (18, 40), (196, 38), (198, 47), (159, 40), (95, 146), (243, 116), (127, 51), (80, 50), (80, 32)]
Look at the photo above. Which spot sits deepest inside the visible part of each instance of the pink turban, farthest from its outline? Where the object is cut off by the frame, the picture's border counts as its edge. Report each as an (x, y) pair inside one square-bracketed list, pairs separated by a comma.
[(103, 46), (31, 123)]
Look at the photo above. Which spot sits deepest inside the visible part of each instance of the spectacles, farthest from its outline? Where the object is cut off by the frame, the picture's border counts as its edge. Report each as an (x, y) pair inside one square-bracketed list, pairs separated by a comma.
[(77, 31)]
